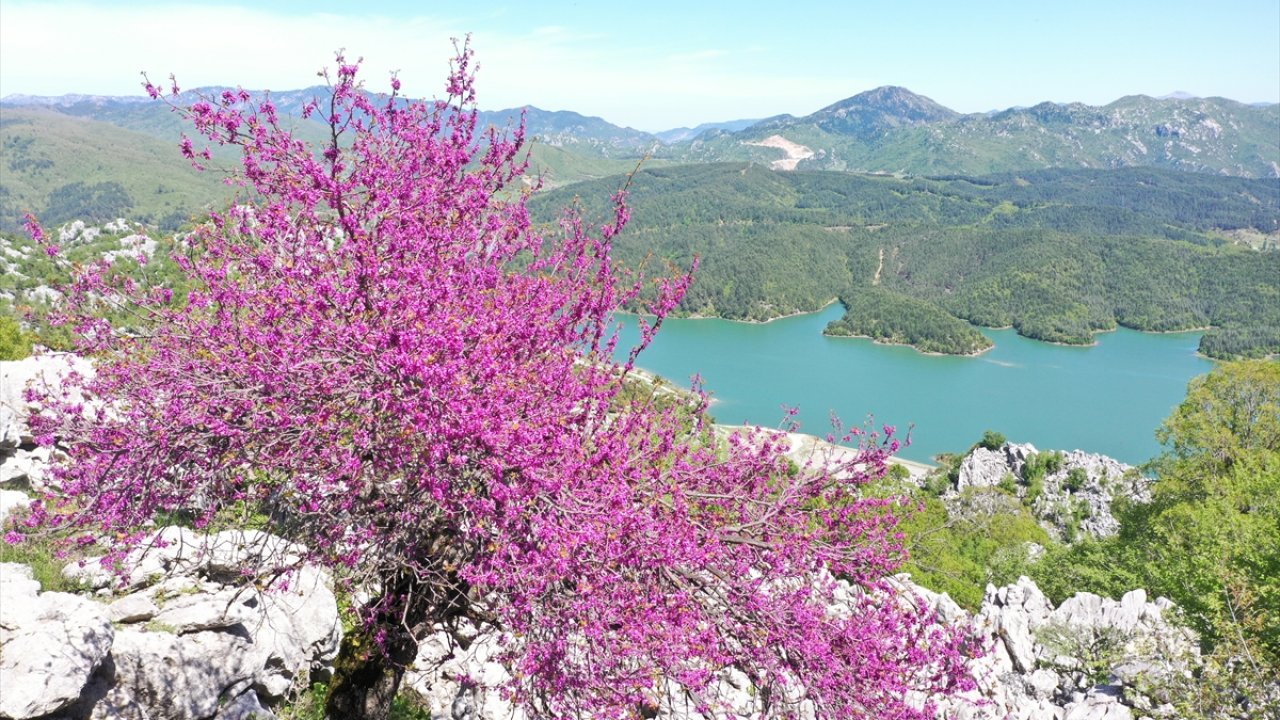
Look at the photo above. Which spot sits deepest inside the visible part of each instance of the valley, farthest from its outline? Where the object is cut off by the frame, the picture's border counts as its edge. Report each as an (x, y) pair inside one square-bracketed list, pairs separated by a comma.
[(951, 223), (1022, 361)]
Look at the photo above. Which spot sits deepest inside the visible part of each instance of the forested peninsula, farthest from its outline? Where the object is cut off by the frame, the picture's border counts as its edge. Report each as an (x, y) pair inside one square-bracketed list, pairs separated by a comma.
[(1057, 254)]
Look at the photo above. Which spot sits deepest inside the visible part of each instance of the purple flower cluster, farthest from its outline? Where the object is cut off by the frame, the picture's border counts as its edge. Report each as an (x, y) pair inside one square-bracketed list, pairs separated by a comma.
[(384, 360)]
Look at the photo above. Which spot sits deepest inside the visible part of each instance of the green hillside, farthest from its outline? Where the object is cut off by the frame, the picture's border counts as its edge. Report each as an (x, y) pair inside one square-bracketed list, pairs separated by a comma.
[(97, 162), (1057, 254), (893, 130), (66, 168)]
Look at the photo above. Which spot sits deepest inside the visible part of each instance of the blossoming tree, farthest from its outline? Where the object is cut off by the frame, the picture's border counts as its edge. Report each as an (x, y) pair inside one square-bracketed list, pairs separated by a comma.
[(382, 359)]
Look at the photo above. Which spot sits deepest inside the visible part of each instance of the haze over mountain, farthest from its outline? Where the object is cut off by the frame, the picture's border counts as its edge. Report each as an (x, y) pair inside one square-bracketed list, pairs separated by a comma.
[(58, 149), (891, 129), (887, 129)]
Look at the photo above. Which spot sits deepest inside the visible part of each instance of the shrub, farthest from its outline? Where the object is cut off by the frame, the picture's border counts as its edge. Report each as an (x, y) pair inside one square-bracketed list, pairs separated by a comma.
[(385, 358)]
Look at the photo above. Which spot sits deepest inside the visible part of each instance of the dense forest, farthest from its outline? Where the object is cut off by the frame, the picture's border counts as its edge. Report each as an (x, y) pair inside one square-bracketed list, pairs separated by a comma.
[(1057, 254), (887, 316)]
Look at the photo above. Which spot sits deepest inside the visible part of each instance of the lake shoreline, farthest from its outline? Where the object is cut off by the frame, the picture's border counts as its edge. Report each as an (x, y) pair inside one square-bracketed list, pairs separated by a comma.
[(835, 300), (932, 353), (798, 313), (1107, 399), (804, 447)]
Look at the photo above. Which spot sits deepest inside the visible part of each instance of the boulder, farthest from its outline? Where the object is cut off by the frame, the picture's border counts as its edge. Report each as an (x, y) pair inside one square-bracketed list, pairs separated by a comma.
[(982, 468), (208, 611), (1016, 635), (228, 553), (52, 643), (137, 607), (17, 581), (296, 630), (11, 500), (178, 677), (27, 467)]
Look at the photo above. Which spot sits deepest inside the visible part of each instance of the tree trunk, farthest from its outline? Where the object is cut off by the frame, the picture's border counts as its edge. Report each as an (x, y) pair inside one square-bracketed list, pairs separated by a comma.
[(366, 679)]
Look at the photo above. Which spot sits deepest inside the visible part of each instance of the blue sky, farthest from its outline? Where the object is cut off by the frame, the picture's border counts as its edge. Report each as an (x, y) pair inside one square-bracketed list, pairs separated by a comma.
[(658, 65)]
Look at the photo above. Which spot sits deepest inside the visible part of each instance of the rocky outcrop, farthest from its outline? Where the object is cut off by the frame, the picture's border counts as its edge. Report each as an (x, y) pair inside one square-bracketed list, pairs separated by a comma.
[(184, 637), (50, 645), (984, 467), (1069, 492), (1091, 658), (189, 646)]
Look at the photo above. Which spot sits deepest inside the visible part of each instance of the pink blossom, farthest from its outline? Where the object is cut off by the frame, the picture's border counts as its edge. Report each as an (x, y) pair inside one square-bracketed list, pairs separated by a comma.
[(385, 359)]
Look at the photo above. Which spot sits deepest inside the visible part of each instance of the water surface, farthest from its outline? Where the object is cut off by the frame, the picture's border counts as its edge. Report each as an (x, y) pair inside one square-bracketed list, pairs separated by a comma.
[(1108, 398)]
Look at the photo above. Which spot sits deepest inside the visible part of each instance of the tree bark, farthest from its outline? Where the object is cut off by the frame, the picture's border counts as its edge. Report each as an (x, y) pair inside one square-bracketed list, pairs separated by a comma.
[(366, 679)]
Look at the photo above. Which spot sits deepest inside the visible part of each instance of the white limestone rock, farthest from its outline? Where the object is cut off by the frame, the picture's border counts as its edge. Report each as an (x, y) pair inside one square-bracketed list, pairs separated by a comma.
[(228, 552), (29, 467), (136, 607), (207, 611), (296, 629), (440, 668), (179, 677), (50, 645), (982, 468), (11, 500)]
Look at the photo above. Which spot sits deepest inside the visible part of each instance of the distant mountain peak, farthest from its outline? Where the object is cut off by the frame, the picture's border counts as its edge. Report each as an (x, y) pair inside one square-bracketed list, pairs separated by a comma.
[(1179, 95), (895, 101), (876, 111)]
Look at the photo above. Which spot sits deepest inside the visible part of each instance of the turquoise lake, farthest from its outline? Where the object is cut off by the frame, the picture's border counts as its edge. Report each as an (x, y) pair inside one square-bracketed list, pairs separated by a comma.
[(1109, 398)]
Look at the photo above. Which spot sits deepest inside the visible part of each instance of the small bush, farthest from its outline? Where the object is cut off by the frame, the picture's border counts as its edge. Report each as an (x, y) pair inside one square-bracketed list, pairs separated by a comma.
[(992, 440), (1076, 480), (937, 483), (15, 344), (1097, 648)]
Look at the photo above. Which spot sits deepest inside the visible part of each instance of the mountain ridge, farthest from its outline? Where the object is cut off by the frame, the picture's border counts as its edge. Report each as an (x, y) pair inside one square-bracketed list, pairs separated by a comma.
[(884, 99), (886, 130)]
